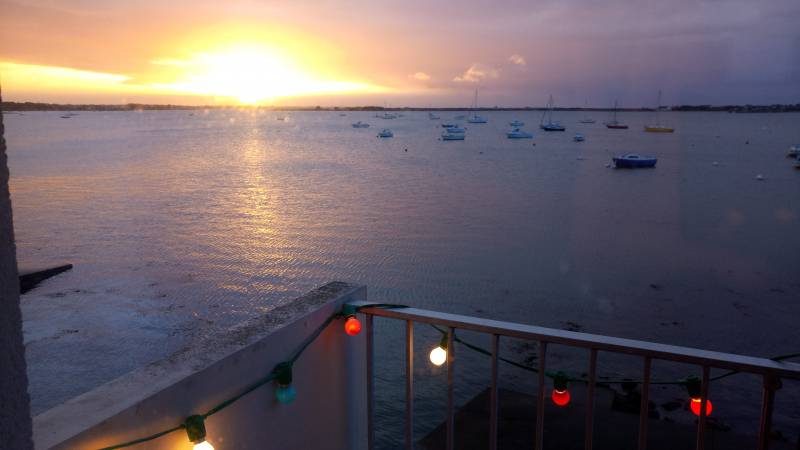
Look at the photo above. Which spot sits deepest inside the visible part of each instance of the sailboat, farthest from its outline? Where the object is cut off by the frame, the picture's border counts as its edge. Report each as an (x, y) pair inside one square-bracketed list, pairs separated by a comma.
[(587, 119), (615, 124), (658, 128), (475, 118), (550, 125)]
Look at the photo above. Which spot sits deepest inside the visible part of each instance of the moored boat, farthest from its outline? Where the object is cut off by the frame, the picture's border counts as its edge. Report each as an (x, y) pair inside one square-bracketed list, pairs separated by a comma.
[(579, 137), (385, 133), (360, 124), (516, 123), (550, 125), (658, 128), (634, 161), (433, 116), (475, 118), (615, 124), (455, 129), (451, 136), (794, 151), (516, 133)]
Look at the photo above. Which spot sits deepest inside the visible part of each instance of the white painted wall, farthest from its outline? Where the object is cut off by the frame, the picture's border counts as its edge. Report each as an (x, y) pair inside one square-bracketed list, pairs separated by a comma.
[(329, 412)]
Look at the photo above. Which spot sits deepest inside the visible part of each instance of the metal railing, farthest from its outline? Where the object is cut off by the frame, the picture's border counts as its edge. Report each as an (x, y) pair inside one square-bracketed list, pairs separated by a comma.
[(771, 371)]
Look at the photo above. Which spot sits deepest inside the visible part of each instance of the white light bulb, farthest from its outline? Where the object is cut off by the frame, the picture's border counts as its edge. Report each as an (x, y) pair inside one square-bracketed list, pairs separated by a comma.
[(205, 445), (438, 356)]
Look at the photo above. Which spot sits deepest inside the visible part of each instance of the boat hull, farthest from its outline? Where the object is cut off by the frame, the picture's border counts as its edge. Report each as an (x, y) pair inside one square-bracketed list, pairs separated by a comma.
[(642, 163), (616, 126), (553, 128), (650, 129)]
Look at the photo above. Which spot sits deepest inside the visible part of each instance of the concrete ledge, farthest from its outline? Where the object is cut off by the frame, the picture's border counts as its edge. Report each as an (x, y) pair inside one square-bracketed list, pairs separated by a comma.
[(329, 378)]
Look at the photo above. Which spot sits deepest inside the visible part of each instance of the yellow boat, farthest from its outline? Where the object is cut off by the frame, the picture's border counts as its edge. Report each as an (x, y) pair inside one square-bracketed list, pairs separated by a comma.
[(658, 128)]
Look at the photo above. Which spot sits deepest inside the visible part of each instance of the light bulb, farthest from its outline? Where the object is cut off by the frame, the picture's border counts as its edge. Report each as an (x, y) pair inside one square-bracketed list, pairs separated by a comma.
[(352, 326), (204, 445), (438, 356), (560, 398), (285, 394), (696, 404)]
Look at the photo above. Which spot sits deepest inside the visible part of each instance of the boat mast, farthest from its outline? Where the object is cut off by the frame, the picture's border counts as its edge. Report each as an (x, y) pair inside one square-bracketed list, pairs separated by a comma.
[(658, 109)]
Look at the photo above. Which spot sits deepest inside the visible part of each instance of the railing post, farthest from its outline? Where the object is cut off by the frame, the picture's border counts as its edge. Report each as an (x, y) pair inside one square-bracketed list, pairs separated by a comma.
[(493, 397), (590, 400), (370, 382), (451, 419), (701, 421), (540, 399), (771, 384), (644, 408), (409, 385)]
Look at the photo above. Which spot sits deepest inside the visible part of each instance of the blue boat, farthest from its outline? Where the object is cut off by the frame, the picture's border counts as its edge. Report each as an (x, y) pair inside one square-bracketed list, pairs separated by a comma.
[(633, 161)]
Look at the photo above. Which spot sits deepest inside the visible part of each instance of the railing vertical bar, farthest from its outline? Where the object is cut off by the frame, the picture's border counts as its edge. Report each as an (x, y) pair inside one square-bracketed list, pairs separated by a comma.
[(644, 407), (768, 400), (493, 405), (540, 398), (370, 382), (701, 421), (409, 385), (590, 399), (451, 419)]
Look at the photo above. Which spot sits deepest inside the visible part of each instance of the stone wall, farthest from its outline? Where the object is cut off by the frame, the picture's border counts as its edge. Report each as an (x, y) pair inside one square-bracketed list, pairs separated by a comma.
[(15, 421)]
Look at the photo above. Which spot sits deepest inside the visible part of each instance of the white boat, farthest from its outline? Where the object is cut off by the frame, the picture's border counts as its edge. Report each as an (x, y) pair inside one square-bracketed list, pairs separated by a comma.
[(455, 129), (548, 113), (451, 136), (579, 137), (433, 116), (516, 133), (587, 119), (516, 123), (360, 124), (386, 115), (475, 118), (385, 133)]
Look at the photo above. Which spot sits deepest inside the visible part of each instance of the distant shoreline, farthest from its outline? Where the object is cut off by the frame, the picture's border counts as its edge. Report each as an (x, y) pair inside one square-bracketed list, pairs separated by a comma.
[(32, 106)]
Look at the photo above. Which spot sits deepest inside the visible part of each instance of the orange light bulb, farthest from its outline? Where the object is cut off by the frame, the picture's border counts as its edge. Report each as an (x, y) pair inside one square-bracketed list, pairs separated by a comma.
[(560, 398), (352, 326), (694, 405)]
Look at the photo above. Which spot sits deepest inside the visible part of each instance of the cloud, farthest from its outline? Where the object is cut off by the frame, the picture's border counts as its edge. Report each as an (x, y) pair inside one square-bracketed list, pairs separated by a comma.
[(517, 59), (476, 73), (421, 76)]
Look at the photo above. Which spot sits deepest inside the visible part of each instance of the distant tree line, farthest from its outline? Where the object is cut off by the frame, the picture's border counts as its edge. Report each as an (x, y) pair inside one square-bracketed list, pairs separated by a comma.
[(32, 106)]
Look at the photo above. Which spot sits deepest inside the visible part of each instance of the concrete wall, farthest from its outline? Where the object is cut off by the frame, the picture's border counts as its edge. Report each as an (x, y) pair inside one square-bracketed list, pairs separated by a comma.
[(329, 412), (15, 421)]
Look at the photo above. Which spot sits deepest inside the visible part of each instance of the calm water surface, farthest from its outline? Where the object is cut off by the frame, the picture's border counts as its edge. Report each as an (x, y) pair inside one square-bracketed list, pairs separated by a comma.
[(181, 225)]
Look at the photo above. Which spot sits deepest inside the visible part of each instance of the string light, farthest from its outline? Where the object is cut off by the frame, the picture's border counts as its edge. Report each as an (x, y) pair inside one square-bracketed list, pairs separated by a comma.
[(694, 387), (560, 394), (438, 355), (196, 431), (351, 324), (285, 393)]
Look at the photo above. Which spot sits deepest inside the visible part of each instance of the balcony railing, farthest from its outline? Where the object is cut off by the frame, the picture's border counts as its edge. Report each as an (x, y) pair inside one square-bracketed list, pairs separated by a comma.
[(771, 371)]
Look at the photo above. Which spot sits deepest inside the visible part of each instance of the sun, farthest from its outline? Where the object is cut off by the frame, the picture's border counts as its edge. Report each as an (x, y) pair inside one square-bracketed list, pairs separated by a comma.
[(251, 74)]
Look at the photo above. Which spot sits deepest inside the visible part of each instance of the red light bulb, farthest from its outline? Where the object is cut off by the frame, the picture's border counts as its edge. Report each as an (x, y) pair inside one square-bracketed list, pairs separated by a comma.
[(560, 398), (694, 405), (352, 326)]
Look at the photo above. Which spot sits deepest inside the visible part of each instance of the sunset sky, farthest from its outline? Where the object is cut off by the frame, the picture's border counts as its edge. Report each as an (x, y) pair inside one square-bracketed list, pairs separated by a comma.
[(400, 53)]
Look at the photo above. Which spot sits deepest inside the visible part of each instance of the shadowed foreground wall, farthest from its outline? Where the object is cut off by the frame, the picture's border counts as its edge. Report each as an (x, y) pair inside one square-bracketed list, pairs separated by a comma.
[(15, 421)]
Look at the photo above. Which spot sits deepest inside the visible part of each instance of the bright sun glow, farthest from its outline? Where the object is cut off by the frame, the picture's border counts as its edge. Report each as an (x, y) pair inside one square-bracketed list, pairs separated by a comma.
[(250, 74)]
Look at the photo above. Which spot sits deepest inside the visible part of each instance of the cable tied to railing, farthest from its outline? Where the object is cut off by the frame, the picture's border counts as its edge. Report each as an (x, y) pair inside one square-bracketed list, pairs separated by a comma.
[(281, 373)]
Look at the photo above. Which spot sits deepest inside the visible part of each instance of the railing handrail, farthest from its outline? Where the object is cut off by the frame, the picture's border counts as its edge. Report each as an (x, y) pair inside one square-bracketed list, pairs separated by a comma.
[(653, 350)]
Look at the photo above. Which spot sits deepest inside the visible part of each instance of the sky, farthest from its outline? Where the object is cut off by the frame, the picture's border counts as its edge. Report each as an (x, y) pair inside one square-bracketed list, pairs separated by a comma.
[(414, 53)]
